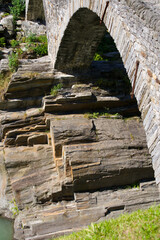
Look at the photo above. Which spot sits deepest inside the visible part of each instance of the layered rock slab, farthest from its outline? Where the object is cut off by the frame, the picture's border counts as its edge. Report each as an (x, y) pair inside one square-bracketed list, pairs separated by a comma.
[(32, 174), (100, 153), (44, 222)]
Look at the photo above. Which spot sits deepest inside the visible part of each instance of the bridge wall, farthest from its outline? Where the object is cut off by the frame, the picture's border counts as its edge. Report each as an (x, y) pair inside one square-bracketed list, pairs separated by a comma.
[(135, 28)]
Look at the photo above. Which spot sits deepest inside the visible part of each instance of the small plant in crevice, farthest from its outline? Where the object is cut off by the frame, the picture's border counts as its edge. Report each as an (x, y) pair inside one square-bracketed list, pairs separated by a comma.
[(14, 208), (31, 38), (98, 57), (13, 62), (14, 43), (106, 114), (56, 89), (2, 42)]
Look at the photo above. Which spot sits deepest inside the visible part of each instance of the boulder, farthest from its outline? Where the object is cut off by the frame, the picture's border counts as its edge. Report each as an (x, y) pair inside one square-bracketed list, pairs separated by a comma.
[(29, 27), (7, 23)]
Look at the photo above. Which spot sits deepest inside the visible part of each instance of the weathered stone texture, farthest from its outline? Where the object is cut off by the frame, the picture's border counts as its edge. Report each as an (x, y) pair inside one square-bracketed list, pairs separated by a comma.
[(64, 217)]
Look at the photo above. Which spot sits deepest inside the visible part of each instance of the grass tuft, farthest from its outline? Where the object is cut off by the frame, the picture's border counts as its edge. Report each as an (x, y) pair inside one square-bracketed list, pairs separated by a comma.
[(56, 89)]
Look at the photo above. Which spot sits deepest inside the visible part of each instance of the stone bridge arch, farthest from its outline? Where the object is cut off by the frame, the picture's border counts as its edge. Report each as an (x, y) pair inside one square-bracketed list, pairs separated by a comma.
[(35, 10), (135, 28)]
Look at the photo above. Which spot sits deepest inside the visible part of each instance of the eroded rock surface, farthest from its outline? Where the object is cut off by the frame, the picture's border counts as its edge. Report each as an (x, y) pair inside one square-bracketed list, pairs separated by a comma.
[(81, 175)]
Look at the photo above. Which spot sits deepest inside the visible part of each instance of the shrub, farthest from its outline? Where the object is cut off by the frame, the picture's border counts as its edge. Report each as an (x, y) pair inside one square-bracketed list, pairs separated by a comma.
[(31, 38), (14, 43), (2, 42), (37, 44), (55, 89), (17, 8), (34, 38), (13, 62), (41, 50), (42, 39)]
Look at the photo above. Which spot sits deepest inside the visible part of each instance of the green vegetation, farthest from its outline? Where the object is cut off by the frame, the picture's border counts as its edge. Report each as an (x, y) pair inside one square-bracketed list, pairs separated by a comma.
[(4, 15), (106, 114), (13, 62), (40, 50), (107, 45), (34, 38), (17, 8), (55, 89), (2, 42), (34, 46), (14, 209), (14, 43), (37, 44), (98, 57), (141, 224)]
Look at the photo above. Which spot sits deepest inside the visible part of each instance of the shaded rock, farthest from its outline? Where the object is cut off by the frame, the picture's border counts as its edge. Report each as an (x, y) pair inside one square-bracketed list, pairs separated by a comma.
[(87, 101), (37, 139), (1, 29), (21, 140)]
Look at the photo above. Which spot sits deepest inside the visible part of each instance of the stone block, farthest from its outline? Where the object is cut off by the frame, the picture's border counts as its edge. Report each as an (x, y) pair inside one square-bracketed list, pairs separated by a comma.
[(37, 139)]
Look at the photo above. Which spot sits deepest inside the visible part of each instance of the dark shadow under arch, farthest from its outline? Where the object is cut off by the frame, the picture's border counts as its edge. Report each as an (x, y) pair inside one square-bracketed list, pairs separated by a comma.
[(80, 41), (35, 11)]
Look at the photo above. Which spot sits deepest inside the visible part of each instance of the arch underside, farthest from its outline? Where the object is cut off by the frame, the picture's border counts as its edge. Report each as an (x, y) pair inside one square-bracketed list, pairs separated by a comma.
[(80, 41), (35, 10)]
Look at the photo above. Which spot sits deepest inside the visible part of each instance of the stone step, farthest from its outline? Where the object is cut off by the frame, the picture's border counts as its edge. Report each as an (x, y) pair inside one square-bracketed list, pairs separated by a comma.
[(87, 101)]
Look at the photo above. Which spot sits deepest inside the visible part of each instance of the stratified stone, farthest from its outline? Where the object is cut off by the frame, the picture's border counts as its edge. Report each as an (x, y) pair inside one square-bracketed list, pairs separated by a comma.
[(32, 174), (37, 139), (65, 217), (71, 130), (21, 140)]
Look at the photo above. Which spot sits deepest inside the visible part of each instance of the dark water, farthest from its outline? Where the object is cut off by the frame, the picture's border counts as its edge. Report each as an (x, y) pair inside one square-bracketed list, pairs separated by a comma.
[(6, 229)]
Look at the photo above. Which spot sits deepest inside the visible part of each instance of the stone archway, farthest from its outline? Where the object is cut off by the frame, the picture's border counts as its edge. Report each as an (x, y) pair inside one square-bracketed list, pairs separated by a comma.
[(80, 41)]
